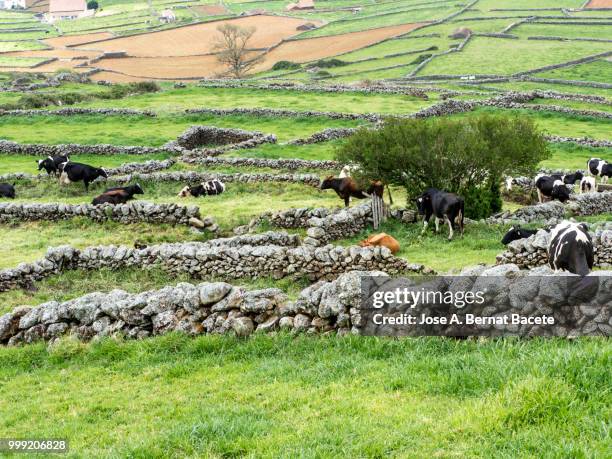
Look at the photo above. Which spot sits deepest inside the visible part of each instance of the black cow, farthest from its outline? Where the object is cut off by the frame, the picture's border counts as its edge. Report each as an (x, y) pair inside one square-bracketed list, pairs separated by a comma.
[(77, 172), (443, 206), (7, 190), (551, 188), (118, 195), (52, 164), (346, 188), (571, 248), (571, 179), (210, 188), (515, 233)]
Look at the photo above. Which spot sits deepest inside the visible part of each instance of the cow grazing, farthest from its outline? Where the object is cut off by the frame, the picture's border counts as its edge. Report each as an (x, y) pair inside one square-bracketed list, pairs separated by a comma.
[(442, 206), (551, 188), (515, 233), (571, 248), (51, 164), (588, 185), (7, 190), (210, 188), (346, 188), (571, 179), (77, 172), (118, 195), (381, 240)]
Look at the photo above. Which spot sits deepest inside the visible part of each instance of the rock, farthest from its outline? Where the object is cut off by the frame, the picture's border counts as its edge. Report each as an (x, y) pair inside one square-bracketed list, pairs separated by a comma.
[(242, 326), (286, 323), (301, 322)]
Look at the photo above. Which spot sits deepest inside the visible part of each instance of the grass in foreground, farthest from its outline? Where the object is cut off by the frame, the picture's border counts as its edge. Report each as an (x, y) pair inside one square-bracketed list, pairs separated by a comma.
[(270, 396)]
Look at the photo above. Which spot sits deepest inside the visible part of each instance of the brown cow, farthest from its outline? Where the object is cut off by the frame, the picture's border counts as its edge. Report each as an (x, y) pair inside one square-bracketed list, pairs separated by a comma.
[(381, 240), (346, 188)]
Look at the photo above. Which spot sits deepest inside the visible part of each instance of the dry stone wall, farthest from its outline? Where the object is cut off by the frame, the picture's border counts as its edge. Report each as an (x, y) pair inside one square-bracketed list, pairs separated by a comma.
[(230, 258), (282, 113), (42, 150), (132, 212), (325, 307), (198, 177), (288, 163)]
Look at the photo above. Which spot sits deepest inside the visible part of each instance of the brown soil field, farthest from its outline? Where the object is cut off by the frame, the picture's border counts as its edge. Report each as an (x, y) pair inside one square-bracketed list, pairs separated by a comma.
[(67, 40), (47, 68), (311, 49), (163, 67), (599, 4), (116, 77), (210, 10), (198, 39)]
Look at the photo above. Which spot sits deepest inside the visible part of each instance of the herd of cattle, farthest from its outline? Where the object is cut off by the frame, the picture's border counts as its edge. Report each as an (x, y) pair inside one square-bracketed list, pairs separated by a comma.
[(570, 247)]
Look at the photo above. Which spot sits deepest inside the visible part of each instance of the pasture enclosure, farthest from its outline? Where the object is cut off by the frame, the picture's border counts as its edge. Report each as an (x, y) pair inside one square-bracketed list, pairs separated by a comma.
[(230, 324)]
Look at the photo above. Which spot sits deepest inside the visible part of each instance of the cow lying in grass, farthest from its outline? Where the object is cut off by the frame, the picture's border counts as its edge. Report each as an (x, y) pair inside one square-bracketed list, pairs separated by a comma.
[(210, 188), (381, 240), (118, 195), (52, 164), (7, 190), (515, 233), (442, 206), (77, 172)]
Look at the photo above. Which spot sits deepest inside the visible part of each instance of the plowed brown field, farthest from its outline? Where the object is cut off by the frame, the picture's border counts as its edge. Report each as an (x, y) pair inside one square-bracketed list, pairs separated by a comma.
[(70, 40), (600, 4), (198, 39), (163, 67), (311, 49)]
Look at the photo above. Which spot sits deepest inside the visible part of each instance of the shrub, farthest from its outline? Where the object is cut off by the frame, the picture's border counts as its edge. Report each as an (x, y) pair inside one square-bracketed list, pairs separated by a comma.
[(323, 74), (143, 87), (329, 63), (468, 156), (286, 65), (92, 5), (421, 58)]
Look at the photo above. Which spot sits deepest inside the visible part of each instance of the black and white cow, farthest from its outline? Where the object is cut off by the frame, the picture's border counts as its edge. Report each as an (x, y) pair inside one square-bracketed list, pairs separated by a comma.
[(52, 164), (515, 233), (442, 206), (600, 168), (77, 172), (7, 190), (588, 185), (210, 188), (571, 179), (551, 188), (571, 248)]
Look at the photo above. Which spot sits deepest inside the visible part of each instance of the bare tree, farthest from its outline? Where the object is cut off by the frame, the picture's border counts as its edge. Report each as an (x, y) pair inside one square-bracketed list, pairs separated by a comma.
[(233, 51)]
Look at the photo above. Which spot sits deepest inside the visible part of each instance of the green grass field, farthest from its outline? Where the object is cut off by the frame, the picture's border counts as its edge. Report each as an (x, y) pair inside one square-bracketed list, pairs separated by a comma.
[(305, 396), (300, 395)]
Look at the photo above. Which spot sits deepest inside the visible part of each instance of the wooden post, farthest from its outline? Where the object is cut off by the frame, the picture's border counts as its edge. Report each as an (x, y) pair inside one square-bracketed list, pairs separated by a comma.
[(378, 210)]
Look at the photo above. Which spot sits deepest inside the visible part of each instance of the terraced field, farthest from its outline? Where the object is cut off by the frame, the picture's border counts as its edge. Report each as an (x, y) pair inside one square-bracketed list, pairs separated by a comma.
[(117, 381)]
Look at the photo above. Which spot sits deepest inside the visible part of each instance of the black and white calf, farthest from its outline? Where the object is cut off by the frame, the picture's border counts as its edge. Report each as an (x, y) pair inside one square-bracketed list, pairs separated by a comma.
[(77, 172), (7, 190), (600, 168), (588, 185), (571, 248), (551, 188), (571, 179), (442, 206), (210, 188), (52, 164), (515, 233)]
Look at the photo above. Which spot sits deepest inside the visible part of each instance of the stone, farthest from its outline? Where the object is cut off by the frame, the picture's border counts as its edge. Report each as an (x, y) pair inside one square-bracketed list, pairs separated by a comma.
[(242, 326), (301, 322), (286, 323)]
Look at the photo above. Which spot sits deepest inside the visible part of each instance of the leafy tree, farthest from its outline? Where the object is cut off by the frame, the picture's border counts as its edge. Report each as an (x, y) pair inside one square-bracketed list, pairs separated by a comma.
[(464, 156), (92, 5)]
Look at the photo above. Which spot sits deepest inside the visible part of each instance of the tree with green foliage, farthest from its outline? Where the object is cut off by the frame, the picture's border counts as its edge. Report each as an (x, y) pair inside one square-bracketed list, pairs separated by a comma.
[(92, 5), (464, 156)]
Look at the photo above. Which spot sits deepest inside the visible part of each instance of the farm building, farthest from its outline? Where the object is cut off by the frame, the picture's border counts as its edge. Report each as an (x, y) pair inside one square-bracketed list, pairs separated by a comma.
[(301, 5), (66, 9), (13, 4)]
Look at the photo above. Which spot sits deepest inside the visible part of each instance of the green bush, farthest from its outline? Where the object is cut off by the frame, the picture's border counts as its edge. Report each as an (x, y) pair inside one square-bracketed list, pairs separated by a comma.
[(421, 58), (464, 156), (286, 65), (92, 5), (329, 63), (143, 87)]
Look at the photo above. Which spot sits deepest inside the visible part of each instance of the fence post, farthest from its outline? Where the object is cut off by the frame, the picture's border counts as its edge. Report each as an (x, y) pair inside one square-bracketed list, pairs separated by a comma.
[(378, 210)]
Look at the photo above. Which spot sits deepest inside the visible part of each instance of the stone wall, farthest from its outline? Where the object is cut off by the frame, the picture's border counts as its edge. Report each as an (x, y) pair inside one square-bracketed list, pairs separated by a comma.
[(233, 258), (531, 252), (283, 113), (132, 212), (199, 177), (146, 167), (325, 135), (79, 111), (325, 307), (288, 163), (197, 140), (42, 150), (552, 211)]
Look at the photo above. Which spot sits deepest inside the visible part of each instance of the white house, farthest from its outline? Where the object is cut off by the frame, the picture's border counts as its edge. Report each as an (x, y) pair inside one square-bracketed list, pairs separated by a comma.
[(66, 9), (167, 16), (13, 4)]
